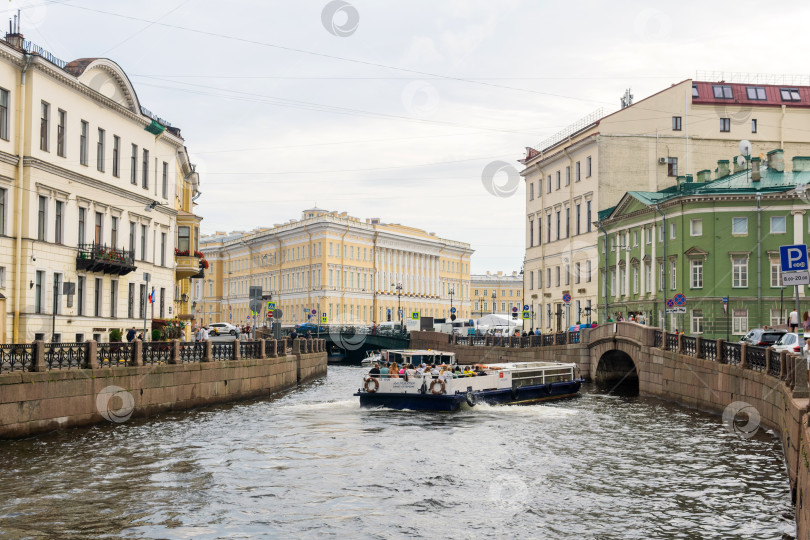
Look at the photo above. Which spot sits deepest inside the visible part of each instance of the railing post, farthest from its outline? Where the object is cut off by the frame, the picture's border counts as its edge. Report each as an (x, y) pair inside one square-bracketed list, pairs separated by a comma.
[(262, 355), (273, 348), (800, 376), (237, 353), (174, 352), (455, 339), (782, 366), (698, 347), (296, 346), (38, 358), (664, 341), (568, 337), (743, 356), (767, 360), (680, 344), (208, 352), (91, 358), (721, 353), (137, 352)]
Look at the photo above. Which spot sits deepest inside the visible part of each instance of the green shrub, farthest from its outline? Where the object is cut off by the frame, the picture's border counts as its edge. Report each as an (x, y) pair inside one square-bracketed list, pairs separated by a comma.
[(115, 335), (157, 335)]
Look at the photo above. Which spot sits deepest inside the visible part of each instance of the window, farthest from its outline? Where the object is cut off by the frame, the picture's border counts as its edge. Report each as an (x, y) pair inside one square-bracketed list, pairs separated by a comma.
[(739, 272), (790, 94), (162, 301), (142, 302), (578, 212), (133, 165), (777, 317), (648, 232), (80, 295), (4, 114), (697, 321), (697, 274), (577, 172), (531, 233), (673, 271), (557, 277), (558, 224), (43, 126), (183, 238), (696, 227), (548, 184), (568, 175), (672, 231), (100, 151), (567, 222), (695, 92), (672, 166), (43, 204), (531, 191), (114, 298), (776, 273), (648, 277), (60, 133), (661, 283), (83, 143), (588, 167), (588, 216), (3, 193), (622, 280), (722, 91), (755, 93), (739, 226), (725, 125), (753, 125), (163, 249), (531, 279), (661, 233), (116, 156), (635, 279), (131, 301), (587, 271), (132, 237), (612, 283), (548, 277), (739, 321), (38, 285), (58, 237), (145, 175), (165, 182), (778, 225), (567, 272), (558, 179), (82, 225), (676, 123), (98, 236), (143, 242), (114, 233)]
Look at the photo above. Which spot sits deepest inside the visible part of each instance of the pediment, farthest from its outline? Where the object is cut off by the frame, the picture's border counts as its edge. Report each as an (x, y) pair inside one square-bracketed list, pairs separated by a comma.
[(696, 252), (107, 78)]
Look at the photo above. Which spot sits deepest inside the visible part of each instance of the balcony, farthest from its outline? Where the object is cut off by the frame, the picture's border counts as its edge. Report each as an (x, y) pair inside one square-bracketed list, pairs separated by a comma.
[(100, 258), (189, 265)]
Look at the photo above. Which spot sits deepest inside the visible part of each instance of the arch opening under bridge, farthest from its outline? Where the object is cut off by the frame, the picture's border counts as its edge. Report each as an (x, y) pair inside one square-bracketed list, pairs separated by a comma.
[(616, 373)]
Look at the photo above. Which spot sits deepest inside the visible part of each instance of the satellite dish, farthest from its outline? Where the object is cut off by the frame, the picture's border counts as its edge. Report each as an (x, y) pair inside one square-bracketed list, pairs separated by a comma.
[(745, 147), (740, 161)]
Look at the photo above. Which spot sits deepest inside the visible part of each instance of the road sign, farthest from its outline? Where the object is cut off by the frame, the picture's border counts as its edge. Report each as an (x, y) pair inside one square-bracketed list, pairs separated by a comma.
[(679, 299), (314, 311), (725, 299), (271, 306), (415, 315), (796, 278), (670, 303), (793, 258), (277, 313), (269, 314), (452, 310), (567, 298), (515, 309), (526, 307), (324, 320), (679, 310), (527, 314)]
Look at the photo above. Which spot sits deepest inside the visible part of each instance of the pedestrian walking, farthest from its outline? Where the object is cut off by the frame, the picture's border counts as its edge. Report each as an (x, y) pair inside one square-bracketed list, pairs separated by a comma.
[(131, 334), (793, 320)]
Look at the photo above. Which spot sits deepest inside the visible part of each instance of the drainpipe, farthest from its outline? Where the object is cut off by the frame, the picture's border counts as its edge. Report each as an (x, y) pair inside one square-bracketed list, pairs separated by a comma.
[(605, 285), (666, 271), (18, 208), (759, 260)]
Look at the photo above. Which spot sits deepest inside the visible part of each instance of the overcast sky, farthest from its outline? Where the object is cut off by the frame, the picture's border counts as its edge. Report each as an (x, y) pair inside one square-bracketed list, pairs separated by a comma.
[(396, 109)]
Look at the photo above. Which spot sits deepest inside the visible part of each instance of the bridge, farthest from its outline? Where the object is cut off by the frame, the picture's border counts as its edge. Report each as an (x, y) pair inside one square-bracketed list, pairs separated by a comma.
[(356, 341), (751, 386)]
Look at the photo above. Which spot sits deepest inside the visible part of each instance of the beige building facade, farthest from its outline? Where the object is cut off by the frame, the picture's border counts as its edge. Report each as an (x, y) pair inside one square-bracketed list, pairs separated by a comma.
[(327, 263), (86, 183), (496, 292), (672, 136)]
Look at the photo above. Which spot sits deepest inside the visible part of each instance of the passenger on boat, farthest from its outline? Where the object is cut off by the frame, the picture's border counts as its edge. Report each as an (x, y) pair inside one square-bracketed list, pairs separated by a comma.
[(468, 371), (384, 371), (479, 371), (410, 371), (457, 371), (393, 371), (445, 374), (375, 371), (434, 371)]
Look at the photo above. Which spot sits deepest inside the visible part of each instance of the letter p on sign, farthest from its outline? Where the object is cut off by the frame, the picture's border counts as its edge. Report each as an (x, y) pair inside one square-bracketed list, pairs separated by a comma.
[(793, 258)]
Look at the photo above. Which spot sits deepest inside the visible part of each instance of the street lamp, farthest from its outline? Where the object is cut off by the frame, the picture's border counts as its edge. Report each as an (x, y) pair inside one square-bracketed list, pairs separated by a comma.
[(494, 296), (399, 288), (451, 292)]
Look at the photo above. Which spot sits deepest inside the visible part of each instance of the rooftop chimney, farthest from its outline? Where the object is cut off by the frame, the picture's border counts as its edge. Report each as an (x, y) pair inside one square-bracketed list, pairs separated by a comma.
[(722, 168), (776, 160), (755, 174), (704, 176), (801, 163), (738, 165), (14, 37)]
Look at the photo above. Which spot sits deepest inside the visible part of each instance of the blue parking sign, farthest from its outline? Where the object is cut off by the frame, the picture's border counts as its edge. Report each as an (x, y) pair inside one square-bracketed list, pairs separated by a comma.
[(793, 258)]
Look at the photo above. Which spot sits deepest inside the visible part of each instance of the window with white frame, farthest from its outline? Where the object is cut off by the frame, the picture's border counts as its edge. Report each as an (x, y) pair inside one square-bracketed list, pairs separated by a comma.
[(778, 225), (577, 272), (672, 231), (635, 279), (697, 321), (776, 273), (622, 280), (739, 272), (531, 191), (739, 321), (673, 267), (777, 317), (587, 271), (739, 225), (696, 281), (696, 227), (648, 276), (612, 283), (660, 233), (567, 274), (661, 283)]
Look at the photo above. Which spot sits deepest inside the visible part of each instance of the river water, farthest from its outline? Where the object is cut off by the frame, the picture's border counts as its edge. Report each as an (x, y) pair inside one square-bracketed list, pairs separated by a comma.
[(311, 463)]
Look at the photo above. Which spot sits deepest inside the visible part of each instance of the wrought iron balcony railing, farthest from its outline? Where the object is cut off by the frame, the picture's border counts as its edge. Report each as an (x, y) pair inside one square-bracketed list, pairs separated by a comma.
[(100, 258)]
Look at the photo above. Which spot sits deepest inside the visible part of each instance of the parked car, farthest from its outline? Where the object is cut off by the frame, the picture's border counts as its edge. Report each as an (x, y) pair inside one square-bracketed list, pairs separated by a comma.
[(791, 342), (762, 337), (314, 328), (221, 328)]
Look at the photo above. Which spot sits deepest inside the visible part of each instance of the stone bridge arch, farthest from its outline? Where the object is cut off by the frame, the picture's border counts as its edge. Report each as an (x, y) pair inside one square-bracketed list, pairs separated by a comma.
[(617, 358)]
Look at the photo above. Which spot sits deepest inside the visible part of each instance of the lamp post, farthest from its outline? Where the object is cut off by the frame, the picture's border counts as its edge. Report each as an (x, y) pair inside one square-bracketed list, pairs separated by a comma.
[(451, 292), (399, 287), (494, 296)]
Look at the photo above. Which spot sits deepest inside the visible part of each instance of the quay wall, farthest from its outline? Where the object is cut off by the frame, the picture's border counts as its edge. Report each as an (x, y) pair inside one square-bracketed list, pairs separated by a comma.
[(707, 384), (36, 402)]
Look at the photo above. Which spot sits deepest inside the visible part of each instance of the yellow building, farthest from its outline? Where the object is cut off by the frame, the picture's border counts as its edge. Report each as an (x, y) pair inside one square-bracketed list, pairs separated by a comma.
[(496, 293), (326, 263), (189, 265), (86, 177), (675, 135)]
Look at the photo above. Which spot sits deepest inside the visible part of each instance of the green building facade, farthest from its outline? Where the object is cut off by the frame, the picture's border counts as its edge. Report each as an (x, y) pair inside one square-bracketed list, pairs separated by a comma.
[(707, 240)]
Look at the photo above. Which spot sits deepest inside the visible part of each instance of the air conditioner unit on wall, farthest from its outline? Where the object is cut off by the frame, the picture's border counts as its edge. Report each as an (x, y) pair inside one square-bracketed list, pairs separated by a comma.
[(662, 160)]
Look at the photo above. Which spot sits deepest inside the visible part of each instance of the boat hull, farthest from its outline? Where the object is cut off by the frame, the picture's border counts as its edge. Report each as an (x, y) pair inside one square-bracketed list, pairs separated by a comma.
[(453, 402)]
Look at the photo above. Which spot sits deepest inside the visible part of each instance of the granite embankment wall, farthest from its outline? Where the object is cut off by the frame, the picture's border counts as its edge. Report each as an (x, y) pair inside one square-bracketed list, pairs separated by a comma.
[(710, 375), (33, 402)]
